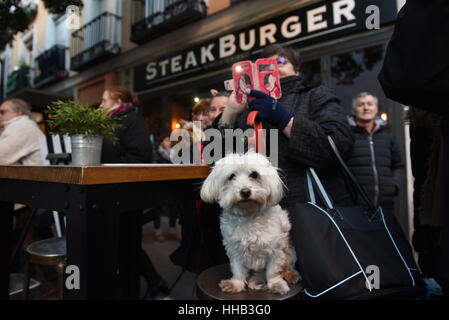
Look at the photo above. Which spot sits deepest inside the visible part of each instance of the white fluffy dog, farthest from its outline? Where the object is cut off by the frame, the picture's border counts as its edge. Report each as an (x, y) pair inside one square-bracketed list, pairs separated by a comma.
[(254, 227)]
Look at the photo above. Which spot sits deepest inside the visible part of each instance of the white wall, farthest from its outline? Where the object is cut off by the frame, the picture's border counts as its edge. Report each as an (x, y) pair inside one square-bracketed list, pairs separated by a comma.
[(118, 8), (63, 32), (7, 58), (50, 33), (24, 54), (92, 9)]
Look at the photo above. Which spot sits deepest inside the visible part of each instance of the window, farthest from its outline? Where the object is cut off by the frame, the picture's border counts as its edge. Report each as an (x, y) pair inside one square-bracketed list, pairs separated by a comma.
[(356, 71), (27, 52), (155, 6), (311, 72)]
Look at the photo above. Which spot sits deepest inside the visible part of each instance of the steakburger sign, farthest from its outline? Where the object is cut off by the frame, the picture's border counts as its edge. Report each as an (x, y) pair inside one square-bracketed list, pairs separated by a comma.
[(320, 21)]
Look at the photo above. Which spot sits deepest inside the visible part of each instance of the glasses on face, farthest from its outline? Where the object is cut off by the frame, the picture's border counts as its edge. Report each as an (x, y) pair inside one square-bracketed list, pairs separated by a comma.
[(281, 60)]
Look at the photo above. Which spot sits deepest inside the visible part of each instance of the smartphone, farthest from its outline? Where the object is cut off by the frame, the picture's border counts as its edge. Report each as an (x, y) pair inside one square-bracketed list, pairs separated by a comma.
[(243, 76), (263, 75)]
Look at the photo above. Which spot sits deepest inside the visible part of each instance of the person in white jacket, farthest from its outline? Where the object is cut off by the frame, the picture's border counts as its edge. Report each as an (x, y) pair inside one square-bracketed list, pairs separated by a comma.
[(19, 141)]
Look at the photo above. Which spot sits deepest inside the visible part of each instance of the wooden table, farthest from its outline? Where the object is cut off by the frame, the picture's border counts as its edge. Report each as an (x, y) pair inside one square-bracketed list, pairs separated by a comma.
[(103, 232)]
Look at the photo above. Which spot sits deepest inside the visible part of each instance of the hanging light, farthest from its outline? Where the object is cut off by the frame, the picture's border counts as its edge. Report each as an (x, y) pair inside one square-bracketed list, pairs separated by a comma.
[(384, 116), (196, 99)]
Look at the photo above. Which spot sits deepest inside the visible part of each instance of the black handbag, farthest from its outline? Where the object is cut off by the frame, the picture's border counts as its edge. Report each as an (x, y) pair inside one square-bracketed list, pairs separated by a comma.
[(357, 252)]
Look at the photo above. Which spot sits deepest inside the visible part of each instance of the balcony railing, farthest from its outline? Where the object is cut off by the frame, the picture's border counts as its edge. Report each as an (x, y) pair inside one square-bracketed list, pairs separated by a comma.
[(18, 79), (167, 16), (50, 66), (96, 40)]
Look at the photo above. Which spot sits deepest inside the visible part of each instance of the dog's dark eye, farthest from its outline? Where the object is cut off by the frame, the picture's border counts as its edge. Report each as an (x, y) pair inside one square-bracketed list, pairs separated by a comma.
[(232, 176), (254, 175)]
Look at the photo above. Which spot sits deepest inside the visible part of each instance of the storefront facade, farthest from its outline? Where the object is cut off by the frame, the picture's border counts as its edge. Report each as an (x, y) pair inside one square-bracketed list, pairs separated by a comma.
[(338, 50)]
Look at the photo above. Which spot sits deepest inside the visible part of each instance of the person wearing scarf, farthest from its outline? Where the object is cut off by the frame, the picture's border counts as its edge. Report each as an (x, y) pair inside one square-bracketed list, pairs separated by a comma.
[(133, 146)]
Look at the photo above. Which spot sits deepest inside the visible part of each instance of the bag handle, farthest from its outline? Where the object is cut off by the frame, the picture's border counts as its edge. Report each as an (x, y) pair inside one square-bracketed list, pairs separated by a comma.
[(350, 175), (313, 182)]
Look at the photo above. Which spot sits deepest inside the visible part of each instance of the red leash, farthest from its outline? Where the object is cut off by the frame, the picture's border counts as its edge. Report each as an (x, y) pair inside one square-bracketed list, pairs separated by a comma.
[(257, 141)]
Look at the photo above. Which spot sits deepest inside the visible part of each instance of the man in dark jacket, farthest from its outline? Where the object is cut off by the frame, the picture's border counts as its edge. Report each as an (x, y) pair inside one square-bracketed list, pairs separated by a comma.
[(304, 116), (416, 73), (375, 160)]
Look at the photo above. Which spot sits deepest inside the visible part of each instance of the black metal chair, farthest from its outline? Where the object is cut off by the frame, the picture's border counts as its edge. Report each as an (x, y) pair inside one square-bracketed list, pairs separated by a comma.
[(48, 252), (52, 251)]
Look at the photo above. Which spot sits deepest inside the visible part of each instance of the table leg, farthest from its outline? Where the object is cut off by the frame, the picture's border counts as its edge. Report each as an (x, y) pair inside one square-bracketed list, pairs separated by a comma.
[(130, 253), (6, 220), (93, 246)]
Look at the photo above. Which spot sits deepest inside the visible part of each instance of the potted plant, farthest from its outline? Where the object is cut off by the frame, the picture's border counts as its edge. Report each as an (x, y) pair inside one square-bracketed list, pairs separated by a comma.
[(86, 127)]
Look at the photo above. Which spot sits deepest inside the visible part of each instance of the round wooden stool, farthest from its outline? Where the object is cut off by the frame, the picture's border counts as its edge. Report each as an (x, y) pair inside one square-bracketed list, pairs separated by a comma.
[(47, 252), (207, 287)]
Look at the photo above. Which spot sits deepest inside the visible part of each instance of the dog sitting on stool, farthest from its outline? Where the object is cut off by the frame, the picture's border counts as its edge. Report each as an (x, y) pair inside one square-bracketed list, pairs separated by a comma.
[(255, 229)]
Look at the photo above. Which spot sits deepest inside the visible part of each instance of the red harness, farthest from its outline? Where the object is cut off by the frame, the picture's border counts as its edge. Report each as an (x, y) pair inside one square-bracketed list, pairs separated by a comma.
[(256, 142)]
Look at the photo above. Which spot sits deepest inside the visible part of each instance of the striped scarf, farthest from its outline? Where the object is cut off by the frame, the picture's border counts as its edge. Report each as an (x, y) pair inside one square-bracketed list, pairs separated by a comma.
[(120, 109)]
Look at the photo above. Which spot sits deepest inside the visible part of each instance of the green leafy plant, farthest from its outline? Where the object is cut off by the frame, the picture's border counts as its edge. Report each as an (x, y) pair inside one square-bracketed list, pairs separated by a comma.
[(14, 17), (72, 118)]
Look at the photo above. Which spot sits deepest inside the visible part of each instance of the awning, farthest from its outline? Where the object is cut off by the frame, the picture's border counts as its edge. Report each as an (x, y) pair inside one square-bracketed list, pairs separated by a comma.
[(38, 99)]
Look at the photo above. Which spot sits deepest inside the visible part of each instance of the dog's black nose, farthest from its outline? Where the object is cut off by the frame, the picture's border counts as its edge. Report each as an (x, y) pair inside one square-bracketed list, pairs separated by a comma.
[(245, 193)]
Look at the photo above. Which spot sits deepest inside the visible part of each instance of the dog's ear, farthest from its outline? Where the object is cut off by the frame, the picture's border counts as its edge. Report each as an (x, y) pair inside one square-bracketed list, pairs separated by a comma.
[(276, 186), (210, 188)]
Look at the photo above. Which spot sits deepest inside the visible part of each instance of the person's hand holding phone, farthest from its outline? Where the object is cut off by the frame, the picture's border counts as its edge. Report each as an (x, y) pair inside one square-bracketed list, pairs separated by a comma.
[(269, 109), (233, 110)]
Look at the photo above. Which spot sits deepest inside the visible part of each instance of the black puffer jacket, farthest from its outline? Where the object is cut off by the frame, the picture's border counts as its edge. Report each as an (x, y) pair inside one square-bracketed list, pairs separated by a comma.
[(134, 145), (377, 169), (317, 114)]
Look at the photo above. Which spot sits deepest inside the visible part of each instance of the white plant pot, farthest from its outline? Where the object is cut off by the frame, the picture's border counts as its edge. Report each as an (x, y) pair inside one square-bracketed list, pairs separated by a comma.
[(86, 150)]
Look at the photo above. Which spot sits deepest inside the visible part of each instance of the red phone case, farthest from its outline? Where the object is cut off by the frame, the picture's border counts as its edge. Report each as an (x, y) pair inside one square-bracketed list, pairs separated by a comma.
[(268, 77)]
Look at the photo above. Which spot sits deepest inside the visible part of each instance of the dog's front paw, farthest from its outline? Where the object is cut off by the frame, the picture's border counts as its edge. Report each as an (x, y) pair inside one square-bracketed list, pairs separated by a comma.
[(278, 286), (232, 286), (291, 276)]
